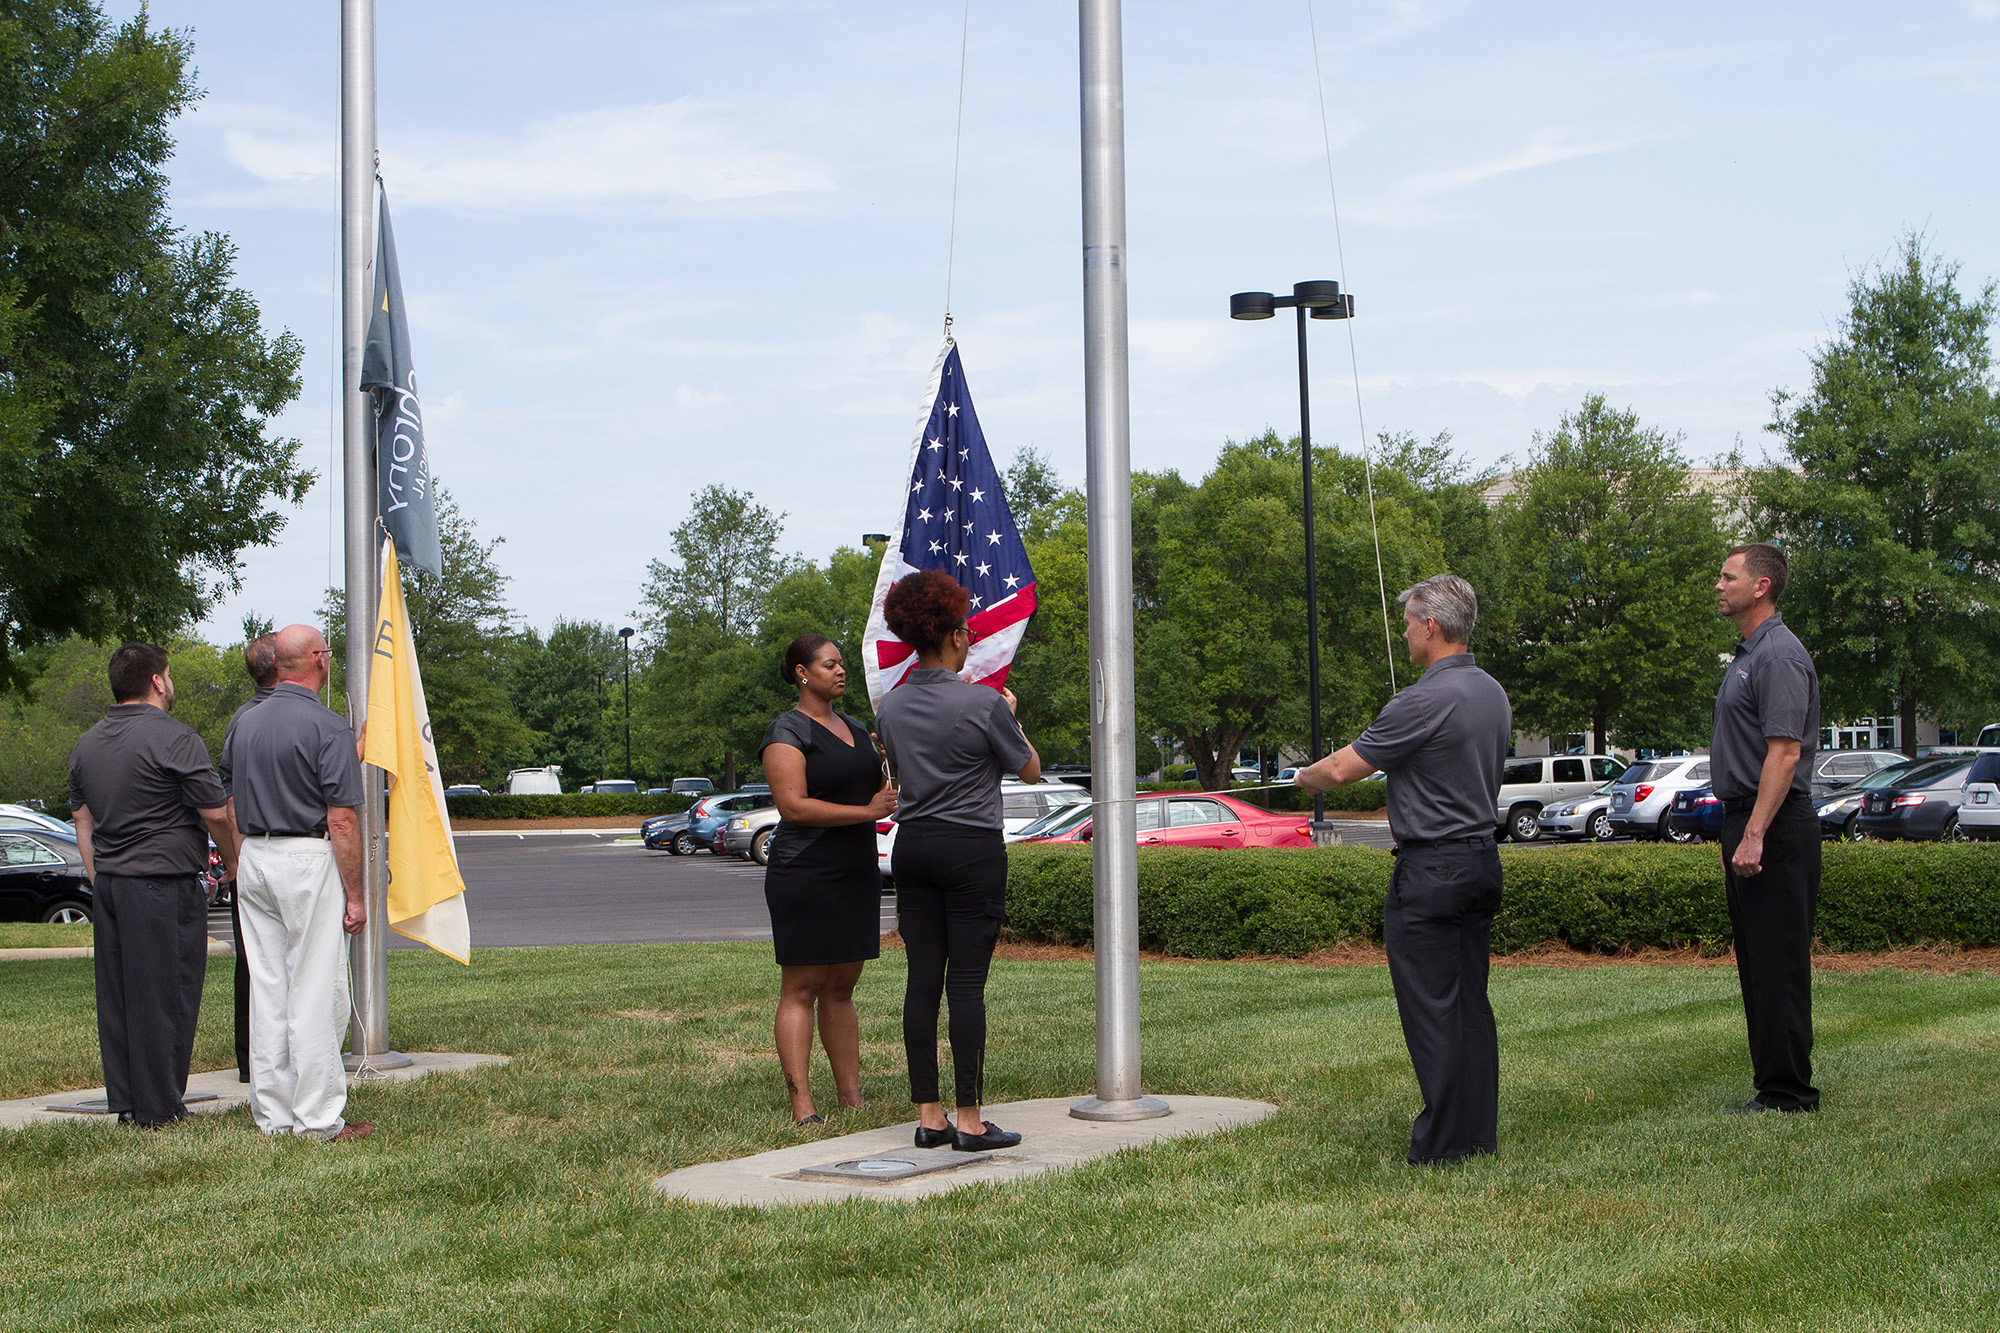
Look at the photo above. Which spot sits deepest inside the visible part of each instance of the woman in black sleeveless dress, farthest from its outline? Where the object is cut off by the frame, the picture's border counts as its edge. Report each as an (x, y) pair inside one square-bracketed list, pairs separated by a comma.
[(821, 881)]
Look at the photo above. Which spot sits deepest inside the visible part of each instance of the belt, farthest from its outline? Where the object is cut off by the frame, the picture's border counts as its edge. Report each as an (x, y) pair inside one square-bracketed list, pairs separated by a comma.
[(1425, 844), (284, 833), (1743, 805)]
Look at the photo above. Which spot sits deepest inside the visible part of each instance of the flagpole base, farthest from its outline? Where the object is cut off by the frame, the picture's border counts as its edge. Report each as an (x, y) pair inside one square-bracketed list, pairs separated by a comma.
[(1136, 1108), (364, 1067)]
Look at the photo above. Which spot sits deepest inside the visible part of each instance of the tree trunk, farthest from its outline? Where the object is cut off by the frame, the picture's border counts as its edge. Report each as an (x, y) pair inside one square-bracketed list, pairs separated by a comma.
[(1600, 727), (1909, 711), (729, 770), (1213, 760)]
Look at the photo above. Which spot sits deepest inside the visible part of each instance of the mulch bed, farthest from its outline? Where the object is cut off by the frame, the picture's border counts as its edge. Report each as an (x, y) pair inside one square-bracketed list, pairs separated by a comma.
[(1553, 953)]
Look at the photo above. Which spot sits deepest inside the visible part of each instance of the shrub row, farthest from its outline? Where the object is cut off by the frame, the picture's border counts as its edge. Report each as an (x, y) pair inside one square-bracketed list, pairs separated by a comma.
[(576, 805), (1289, 902)]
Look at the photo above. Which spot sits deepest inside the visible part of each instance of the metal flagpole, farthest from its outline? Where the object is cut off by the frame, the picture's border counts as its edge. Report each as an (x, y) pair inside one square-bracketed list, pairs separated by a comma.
[(1108, 447), (368, 951)]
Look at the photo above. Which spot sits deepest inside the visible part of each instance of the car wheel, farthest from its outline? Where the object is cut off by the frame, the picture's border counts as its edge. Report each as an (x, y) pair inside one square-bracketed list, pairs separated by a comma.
[(760, 847), (1523, 823), (1671, 834), (1953, 831), (1854, 832), (1600, 827), (67, 914), (684, 844)]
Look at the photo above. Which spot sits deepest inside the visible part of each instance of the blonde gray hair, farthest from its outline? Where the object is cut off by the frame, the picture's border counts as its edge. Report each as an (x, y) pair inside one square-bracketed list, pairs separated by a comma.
[(1447, 599)]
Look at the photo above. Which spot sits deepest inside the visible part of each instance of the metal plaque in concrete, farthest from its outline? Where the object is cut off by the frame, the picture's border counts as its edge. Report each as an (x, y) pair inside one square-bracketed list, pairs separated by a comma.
[(102, 1105), (879, 1168), (1050, 1138)]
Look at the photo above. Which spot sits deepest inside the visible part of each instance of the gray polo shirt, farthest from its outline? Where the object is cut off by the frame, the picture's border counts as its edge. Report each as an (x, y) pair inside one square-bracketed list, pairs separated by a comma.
[(144, 777), (290, 758), (1771, 689), (949, 742), (263, 692), (1442, 742)]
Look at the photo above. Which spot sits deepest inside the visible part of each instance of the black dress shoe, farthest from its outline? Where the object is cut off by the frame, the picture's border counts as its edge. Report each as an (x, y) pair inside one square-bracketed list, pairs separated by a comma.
[(934, 1138), (1751, 1107), (994, 1137)]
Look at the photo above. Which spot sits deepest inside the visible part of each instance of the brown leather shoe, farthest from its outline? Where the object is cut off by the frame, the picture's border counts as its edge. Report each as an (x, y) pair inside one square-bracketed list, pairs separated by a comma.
[(353, 1129)]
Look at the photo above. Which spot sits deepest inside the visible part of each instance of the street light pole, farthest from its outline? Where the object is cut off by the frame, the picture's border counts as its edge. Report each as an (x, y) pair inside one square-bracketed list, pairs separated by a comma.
[(626, 636), (1320, 300)]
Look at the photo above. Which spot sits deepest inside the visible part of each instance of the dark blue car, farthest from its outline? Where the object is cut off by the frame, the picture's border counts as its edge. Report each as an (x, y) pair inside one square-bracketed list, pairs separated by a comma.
[(1697, 813)]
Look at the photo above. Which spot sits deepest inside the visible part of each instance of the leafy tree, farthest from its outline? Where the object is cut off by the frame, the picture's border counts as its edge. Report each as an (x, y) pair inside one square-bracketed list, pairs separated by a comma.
[(1219, 581), (464, 634), (567, 690), (703, 616), (135, 380), (1040, 502), (1611, 555), (65, 693), (1888, 504)]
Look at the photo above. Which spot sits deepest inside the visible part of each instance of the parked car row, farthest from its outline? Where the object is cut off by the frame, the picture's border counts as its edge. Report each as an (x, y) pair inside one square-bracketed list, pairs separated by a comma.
[(1939, 797), (695, 829)]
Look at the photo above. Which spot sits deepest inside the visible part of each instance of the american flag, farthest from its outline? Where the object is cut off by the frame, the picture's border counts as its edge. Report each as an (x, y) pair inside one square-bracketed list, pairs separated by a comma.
[(954, 519)]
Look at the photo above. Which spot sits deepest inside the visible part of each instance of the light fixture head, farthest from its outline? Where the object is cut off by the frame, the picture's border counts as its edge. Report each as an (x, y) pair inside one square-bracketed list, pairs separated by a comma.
[(1251, 305), (1341, 309), (627, 632), (1316, 295)]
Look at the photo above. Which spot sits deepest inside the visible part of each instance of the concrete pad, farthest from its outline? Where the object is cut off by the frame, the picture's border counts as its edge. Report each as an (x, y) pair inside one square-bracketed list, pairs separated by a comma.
[(222, 1085), (1050, 1138)]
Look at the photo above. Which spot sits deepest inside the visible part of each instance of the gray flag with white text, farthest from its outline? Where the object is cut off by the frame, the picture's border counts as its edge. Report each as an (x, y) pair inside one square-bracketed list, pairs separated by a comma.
[(403, 497)]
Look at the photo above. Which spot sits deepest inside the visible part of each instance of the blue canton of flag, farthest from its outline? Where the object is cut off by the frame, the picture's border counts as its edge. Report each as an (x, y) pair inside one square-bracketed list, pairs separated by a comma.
[(955, 519)]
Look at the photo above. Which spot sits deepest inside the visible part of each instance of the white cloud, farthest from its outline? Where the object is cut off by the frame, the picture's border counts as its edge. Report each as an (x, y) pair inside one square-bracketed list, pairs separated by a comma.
[(1409, 200), (679, 157)]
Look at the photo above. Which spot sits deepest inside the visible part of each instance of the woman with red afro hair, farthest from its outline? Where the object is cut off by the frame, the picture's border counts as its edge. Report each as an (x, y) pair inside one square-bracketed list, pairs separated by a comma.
[(949, 742)]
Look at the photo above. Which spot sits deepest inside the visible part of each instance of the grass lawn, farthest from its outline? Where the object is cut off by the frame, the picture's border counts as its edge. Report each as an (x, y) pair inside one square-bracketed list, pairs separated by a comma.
[(519, 1198), (28, 935)]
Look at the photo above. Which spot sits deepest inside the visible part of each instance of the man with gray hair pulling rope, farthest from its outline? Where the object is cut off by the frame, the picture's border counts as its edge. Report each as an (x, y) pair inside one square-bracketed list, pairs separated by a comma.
[(1441, 742)]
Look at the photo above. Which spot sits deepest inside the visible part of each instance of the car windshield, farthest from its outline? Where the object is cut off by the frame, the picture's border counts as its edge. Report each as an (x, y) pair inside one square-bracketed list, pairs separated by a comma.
[(1942, 773), (1650, 772), (1058, 822), (1912, 773)]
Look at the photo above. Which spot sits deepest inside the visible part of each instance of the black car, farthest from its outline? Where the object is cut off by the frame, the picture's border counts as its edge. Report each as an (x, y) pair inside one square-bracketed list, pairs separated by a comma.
[(1920, 804), (41, 878), (1697, 814)]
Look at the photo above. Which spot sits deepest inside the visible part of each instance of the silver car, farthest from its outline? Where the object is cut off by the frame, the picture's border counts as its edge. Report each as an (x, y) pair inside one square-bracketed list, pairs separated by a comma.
[(749, 834), (1573, 821), (1528, 786), (1643, 796)]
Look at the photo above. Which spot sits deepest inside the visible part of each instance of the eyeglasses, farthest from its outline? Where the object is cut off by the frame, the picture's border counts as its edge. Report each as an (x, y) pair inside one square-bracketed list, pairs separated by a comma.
[(322, 652)]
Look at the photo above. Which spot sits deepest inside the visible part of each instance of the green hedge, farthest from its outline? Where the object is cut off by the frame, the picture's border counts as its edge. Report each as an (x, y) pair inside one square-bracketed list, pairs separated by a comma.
[(574, 805), (1224, 904)]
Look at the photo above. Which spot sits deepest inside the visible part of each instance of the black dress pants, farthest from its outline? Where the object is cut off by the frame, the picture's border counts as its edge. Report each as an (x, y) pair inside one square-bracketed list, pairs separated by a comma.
[(151, 944), (242, 990), (1771, 917), (1438, 926), (951, 898)]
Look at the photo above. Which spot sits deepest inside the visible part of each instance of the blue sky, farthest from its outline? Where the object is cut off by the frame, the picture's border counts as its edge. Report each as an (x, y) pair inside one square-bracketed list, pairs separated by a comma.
[(650, 246)]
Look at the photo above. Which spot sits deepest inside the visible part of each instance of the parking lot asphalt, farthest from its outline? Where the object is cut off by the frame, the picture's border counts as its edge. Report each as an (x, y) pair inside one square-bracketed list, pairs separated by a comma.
[(584, 888)]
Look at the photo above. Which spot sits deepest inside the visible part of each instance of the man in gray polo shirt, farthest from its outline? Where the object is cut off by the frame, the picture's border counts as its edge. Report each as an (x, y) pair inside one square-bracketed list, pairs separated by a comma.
[(1761, 759), (142, 790), (296, 793), (1441, 742)]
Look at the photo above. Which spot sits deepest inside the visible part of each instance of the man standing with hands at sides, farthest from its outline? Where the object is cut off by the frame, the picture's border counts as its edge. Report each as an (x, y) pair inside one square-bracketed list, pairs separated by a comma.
[(1761, 757), (296, 794), (1442, 743), (142, 790), (260, 659)]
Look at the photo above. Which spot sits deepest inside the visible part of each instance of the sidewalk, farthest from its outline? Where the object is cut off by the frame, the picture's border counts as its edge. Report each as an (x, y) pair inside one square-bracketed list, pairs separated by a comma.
[(216, 949)]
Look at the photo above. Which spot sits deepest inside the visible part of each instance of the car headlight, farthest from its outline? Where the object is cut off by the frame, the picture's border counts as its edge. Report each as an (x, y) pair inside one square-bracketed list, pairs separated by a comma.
[(739, 823)]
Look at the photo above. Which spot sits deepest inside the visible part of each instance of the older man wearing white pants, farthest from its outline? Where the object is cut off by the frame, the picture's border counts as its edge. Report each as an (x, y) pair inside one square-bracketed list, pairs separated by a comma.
[(296, 794)]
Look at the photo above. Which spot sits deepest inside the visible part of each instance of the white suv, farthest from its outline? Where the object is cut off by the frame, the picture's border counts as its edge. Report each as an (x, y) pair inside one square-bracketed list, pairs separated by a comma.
[(1979, 813), (1526, 785), (1643, 797), (1021, 804)]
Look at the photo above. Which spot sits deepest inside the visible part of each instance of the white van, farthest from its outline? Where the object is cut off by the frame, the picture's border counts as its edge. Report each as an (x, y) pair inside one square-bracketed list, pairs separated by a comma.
[(535, 781), (613, 787)]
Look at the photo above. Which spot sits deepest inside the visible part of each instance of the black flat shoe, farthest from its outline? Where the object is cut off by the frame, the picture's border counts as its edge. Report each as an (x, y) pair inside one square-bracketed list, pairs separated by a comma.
[(934, 1138), (1751, 1107), (994, 1137), (810, 1120)]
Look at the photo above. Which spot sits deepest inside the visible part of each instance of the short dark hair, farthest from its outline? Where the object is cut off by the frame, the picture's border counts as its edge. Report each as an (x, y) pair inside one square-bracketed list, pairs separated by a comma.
[(803, 650), (132, 670), (1761, 560), (260, 659), (924, 608)]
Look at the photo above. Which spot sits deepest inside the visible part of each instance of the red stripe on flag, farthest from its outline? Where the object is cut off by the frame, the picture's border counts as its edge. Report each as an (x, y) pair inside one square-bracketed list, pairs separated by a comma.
[(1012, 611), (888, 652)]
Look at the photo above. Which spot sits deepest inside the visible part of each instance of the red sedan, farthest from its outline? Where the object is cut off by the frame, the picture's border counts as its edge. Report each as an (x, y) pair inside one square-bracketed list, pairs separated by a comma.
[(1190, 819)]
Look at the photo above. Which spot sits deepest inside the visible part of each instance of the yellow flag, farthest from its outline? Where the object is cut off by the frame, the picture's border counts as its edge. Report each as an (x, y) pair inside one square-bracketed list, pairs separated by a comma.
[(426, 892)]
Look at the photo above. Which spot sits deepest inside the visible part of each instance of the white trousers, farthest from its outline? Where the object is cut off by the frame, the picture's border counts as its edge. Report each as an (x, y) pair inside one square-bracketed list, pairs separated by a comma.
[(289, 896)]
